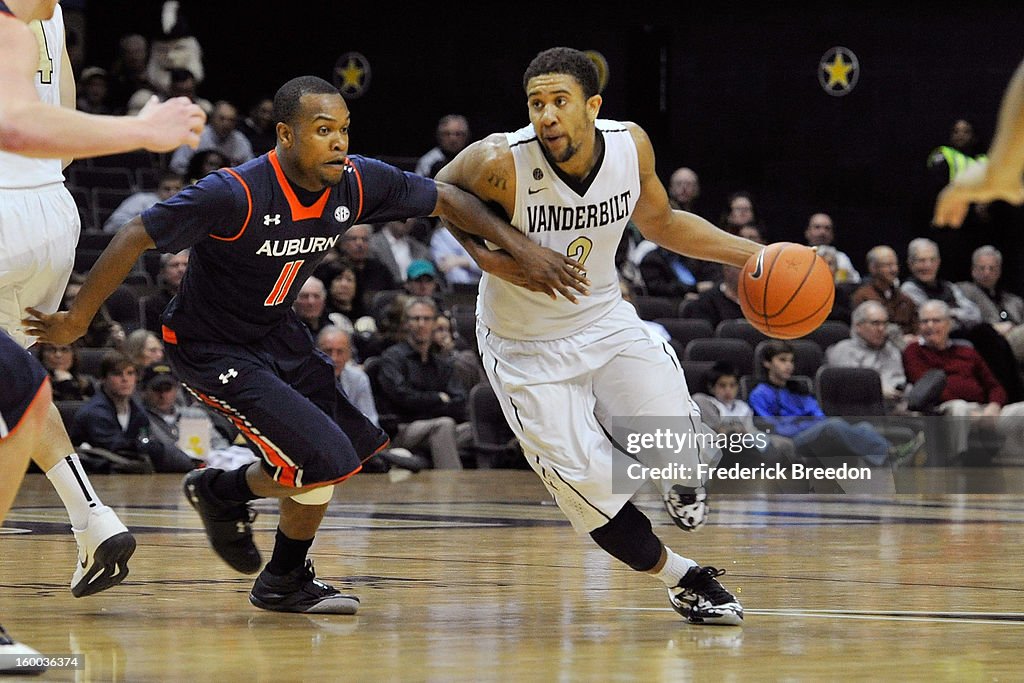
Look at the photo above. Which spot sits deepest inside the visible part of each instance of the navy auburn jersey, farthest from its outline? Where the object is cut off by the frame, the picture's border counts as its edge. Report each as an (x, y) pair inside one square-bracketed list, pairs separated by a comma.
[(254, 243)]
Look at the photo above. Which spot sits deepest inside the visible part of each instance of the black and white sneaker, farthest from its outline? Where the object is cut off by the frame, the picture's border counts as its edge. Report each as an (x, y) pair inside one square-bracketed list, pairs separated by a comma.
[(228, 526), (702, 600), (17, 658), (300, 591), (104, 547), (688, 508)]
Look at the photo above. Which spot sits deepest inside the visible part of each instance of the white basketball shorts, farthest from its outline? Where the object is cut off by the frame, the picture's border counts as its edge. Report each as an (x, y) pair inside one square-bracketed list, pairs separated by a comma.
[(39, 229), (560, 397)]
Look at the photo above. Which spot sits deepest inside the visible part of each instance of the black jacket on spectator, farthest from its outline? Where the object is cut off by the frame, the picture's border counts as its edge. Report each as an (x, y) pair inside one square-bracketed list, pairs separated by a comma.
[(714, 306), (412, 388), (661, 279), (96, 423)]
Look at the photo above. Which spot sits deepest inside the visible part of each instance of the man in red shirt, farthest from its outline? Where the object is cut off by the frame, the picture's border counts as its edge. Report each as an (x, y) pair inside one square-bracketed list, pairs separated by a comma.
[(972, 391)]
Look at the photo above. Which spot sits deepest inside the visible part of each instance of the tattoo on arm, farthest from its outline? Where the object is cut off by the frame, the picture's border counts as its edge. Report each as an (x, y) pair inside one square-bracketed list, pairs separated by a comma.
[(498, 180)]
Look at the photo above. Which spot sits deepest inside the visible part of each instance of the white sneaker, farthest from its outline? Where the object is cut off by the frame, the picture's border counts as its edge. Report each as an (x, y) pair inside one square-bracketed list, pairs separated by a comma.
[(688, 508), (104, 547), (10, 652)]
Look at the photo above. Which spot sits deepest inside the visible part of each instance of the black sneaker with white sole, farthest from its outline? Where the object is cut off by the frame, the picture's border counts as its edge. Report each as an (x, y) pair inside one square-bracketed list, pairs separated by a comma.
[(702, 600), (300, 591), (688, 508), (228, 526)]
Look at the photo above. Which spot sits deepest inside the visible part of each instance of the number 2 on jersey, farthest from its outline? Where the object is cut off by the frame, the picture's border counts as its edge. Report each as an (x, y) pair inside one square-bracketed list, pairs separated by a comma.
[(284, 283), (579, 249)]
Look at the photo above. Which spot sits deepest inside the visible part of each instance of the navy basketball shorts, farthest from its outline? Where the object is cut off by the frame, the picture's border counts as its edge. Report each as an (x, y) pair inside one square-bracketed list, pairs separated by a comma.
[(280, 392), (21, 380)]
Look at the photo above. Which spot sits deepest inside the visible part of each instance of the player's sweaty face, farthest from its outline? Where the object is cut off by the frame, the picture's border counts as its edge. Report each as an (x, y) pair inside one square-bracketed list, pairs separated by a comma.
[(558, 112), (321, 137)]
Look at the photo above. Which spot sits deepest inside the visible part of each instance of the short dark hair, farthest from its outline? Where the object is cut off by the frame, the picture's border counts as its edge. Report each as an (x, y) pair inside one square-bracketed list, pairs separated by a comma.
[(565, 60), (286, 99), (772, 348), (720, 369), (114, 362)]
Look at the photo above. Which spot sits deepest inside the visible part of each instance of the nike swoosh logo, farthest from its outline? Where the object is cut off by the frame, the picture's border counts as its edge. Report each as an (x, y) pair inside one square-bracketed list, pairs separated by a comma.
[(758, 266), (84, 562), (535, 191)]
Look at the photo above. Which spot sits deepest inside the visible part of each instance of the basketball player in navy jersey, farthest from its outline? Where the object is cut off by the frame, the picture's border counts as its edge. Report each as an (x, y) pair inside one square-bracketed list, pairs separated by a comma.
[(257, 232), (39, 226), (572, 181)]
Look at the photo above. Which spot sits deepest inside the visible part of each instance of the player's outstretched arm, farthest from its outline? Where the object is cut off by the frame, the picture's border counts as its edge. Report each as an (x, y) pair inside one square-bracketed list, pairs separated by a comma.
[(34, 128), (680, 231), (109, 271), (998, 178), (485, 172)]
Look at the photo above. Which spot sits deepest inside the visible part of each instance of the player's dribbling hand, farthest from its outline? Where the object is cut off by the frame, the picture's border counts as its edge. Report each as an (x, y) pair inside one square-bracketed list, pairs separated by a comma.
[(973, 185), (173, 123), (54, 328)]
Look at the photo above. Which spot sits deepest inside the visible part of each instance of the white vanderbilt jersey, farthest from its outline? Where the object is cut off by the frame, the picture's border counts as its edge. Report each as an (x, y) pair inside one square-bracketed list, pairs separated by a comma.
[(17, 171), (587, 227)]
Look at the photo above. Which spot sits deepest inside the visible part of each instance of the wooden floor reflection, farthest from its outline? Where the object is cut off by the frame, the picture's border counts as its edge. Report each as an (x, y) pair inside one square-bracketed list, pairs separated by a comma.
[(475, 576)]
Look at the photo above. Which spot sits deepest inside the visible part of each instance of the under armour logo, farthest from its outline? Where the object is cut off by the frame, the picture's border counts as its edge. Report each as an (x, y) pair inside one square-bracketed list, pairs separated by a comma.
[(275, 219), (226, 377)]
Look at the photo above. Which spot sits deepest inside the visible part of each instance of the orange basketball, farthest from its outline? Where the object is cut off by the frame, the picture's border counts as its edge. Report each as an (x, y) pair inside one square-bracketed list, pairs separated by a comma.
[(786, 290)]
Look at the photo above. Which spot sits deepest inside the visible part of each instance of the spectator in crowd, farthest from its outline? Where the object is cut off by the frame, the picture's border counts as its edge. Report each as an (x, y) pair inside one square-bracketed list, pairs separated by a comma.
[(114, 419), (722, 410), (169, 185), (668, 274), (467, 363), (203, 163), (342, 307), (945, 163), (220, 134), (174, 47), (61, 363), (718, 303), (422, 388), (453, 259), (372, 276), (452, 138), (161, 401), (683, 189), (884, 286), (1002, 309), (841, 301), (393, 246), (172, 270), (972, 391), (925, 284), (259, 126), (869, 346), (820, 232), (144, 348), (311, 304), (791, 412), (752, 232), (183, 84), (94, 91), (128, 72), (337, 344), (739, 211)]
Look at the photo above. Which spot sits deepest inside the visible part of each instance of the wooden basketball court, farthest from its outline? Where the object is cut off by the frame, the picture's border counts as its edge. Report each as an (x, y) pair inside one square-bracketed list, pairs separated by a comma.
[(476, 576)]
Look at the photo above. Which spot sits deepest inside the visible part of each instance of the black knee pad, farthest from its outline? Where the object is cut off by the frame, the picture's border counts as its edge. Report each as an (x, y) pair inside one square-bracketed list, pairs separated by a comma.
[(628, 538)]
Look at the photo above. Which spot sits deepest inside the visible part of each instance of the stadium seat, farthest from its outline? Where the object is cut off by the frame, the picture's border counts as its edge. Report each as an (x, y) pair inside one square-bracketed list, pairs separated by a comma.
[(736, 351)]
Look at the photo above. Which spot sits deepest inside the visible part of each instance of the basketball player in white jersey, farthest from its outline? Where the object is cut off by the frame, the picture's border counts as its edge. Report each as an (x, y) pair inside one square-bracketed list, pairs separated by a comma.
[(39, 228), (563, 371)]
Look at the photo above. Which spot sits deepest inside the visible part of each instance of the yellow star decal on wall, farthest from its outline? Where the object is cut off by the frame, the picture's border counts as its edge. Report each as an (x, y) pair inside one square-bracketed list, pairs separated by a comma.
[(838, 71), (351, 74)]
